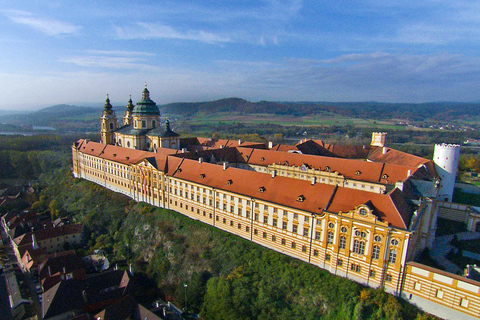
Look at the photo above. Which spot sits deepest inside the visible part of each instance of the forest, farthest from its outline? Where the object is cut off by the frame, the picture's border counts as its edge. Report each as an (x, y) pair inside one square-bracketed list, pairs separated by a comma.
[(227, 277)]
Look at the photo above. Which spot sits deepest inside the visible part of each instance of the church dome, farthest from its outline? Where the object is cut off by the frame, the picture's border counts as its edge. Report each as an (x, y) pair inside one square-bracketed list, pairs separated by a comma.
[(146, 106)]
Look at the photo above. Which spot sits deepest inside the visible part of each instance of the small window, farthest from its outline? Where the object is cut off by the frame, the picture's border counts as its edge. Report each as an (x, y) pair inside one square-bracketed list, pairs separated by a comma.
[(264, 235), (464, 303), (315, 253), (274, 239), (304, 249), (327, 257), (261, 189), (293, 245), (377, 239), (372, 274), (439, 294), (417, 286), (339, 262), (331, 225), (300, 198), (388, 278), (283, 241), (144, 123), (317, 235), (343, 229), (394, 242)]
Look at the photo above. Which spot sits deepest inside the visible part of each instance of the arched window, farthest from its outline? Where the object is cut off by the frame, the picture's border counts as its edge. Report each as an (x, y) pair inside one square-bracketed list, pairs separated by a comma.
[(359, 247), (343, 242), (144, 123), (128, 144), (153, 123), (111, 126), (330, 237), (392, 257)]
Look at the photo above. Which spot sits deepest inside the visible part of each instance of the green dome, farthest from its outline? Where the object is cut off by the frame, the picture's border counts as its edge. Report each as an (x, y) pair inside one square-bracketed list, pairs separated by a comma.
[(146, 106)]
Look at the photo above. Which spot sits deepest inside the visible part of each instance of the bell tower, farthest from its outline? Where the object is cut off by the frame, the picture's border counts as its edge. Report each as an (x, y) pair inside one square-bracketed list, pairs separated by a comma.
[(127, 118), (108, 123)]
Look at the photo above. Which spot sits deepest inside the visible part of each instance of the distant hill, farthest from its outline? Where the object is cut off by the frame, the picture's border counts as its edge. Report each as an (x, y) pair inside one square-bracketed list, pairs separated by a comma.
[(233, 105), (64, 110), (369, 110), (70, 117), (50, 115)]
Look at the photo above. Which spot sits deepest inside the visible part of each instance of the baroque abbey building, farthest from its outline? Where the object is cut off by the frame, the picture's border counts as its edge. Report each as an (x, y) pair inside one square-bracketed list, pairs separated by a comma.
[(360, 212)]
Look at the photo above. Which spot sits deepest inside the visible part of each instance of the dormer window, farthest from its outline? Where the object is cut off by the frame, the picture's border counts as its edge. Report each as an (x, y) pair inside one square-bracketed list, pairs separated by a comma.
[(301, 198), (261, 189), (362, 212), (385, 176), (358, 172), (229, 182), (202, 175), (285, 163), (327, 169), (262, 159)]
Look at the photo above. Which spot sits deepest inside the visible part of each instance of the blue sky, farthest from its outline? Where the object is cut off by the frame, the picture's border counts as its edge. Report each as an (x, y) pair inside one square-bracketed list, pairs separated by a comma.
[(78, 51)]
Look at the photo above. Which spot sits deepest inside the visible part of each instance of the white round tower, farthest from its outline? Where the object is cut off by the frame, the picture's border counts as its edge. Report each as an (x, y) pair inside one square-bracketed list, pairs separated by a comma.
[(446, 157)]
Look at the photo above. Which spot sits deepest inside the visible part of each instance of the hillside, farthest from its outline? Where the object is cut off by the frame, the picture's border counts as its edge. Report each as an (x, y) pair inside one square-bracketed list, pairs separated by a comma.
[(364, 110)]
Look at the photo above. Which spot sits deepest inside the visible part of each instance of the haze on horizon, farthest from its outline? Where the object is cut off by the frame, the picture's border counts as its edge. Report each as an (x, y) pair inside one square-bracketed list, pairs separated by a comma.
[(59, 51)]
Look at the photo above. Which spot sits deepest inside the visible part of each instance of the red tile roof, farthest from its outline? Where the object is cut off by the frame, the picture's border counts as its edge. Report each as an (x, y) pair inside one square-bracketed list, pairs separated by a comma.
[(351, 169), (285, 191)]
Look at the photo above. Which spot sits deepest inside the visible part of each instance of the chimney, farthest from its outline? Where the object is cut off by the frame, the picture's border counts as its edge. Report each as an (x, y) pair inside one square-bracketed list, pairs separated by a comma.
[(274, 173), (225, 166), (239, 141), (409, 173), (49, 271), (384, 150), (378, 139), (270, 144), (184, 150), (200, 160), (34, 242), (314, 180)]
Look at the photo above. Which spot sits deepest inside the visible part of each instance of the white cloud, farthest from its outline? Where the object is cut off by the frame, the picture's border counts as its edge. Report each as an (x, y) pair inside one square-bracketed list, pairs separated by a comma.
[(160, 31), (48, 26), (120, 53), (106, 62)]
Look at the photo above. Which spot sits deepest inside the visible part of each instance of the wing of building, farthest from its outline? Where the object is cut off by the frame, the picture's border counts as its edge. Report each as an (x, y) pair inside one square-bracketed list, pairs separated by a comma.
[(361, 212)]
